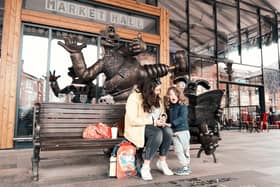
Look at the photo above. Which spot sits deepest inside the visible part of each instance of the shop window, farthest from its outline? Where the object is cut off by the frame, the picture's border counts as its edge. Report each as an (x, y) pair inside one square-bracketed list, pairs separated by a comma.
[(33, 66), (41, 54), (204, 69), (251, 53), (270, 56), (227, 34), (60, 61), (201, 28), (269, 41), (272, 88), (240, 73), (238, 98)]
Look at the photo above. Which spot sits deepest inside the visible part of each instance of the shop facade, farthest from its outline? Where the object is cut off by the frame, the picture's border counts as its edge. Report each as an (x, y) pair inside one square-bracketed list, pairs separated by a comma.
[(244, 63), (31, 30)]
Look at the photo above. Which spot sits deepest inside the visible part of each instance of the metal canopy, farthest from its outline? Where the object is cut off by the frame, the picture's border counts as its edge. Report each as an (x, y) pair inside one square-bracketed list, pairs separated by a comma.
[(202, 28)]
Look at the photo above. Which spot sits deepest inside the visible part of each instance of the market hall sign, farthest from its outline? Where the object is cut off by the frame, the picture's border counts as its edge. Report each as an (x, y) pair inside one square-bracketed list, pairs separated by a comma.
[(88, 12)]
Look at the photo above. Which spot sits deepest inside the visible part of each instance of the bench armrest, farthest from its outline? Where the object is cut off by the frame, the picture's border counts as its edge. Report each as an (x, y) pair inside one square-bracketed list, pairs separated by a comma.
[(36, 125)]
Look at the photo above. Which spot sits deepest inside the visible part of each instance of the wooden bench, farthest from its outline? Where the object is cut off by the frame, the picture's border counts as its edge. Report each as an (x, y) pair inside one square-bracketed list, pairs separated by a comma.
[(59, 126)]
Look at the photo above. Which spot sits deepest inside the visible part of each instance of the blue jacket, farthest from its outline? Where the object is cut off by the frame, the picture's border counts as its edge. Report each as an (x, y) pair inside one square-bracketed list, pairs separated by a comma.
[(178, 117)]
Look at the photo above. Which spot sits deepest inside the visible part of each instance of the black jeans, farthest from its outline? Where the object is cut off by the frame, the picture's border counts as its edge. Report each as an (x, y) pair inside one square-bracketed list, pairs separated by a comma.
[(157, 138)]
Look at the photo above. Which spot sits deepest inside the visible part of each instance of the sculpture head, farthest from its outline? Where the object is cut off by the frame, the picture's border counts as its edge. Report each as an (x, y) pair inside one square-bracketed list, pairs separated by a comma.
[(181, 82), (109, 37)]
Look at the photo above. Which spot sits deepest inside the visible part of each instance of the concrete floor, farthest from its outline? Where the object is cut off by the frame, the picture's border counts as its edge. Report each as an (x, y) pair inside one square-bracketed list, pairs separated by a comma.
[(244, 160)]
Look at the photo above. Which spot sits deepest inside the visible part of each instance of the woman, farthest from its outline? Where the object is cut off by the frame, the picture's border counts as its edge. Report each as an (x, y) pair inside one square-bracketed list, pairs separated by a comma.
[(144, 128)]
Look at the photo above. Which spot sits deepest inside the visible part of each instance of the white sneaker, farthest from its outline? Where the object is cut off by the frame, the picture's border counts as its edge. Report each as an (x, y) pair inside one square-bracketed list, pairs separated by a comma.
[(146, 173), (183, 171), (162, 166)]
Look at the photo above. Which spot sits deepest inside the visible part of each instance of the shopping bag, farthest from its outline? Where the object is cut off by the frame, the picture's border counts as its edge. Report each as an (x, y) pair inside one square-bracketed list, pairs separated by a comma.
[(97, 131)]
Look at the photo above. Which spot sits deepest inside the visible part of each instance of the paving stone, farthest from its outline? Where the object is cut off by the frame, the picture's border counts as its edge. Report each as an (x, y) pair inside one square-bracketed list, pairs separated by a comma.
[(244, 160)]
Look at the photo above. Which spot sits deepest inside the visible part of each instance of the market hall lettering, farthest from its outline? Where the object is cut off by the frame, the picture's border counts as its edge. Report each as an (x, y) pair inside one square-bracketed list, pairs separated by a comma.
[(94, 13), (75, 9)]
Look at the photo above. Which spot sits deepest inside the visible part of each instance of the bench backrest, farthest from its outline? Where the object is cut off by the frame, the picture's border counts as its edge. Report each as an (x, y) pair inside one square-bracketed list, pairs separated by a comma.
[(68, 120)]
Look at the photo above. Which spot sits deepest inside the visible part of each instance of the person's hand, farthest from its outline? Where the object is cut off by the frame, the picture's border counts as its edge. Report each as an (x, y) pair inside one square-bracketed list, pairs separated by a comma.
[(168, 124), (71, 45), (159, 123)]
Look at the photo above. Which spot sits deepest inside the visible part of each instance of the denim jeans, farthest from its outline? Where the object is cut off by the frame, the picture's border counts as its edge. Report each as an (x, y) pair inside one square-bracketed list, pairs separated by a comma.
[(157, 138), (181, 143)]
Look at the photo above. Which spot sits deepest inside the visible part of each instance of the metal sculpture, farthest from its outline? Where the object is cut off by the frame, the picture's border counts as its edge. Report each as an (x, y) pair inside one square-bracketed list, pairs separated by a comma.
[(119, 64), (78, 87), (204, 114)]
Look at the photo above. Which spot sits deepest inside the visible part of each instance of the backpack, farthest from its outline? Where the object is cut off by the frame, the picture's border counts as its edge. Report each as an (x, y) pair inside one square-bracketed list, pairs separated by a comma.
[(123, 155)]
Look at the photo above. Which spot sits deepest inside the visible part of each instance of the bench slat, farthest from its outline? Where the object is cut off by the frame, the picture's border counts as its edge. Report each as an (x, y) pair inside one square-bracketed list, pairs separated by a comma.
[(81, 111), (75, 106), (61, 130), (79, 140), (111, 115), (72, 125), (77, 121), (67, 144)]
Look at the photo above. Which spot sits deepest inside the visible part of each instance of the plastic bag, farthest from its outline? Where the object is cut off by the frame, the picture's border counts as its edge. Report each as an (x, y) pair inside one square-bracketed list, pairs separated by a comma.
[(97, 131)]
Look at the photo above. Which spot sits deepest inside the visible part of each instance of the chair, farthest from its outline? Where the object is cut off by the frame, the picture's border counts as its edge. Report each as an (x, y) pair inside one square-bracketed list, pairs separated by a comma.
[(247, 121), (264, 123)]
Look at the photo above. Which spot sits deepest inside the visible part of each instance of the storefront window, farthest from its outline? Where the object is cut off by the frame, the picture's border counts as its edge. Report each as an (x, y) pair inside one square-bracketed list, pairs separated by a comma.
[(270, 56), (238, 99), (227, 34), (251, 53), (201, 28), (272, 89), (204, 69), (42, 55), (269, 41), (61, 63), (33, 66), (240, 73)]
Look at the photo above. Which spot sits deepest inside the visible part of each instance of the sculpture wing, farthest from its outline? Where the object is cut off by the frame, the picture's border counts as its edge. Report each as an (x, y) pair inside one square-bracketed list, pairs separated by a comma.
[(203, 107)]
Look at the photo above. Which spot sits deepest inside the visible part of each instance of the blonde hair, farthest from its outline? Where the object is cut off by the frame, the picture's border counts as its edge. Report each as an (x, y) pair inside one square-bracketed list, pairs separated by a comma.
[(179, 93)]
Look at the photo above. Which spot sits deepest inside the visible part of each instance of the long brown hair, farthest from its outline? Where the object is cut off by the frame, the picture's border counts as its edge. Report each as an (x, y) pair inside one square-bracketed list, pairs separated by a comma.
[(147, 89), (179, 93)]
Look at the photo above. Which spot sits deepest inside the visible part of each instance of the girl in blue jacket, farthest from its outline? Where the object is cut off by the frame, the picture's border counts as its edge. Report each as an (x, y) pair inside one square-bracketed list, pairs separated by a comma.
[(177, 111)]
